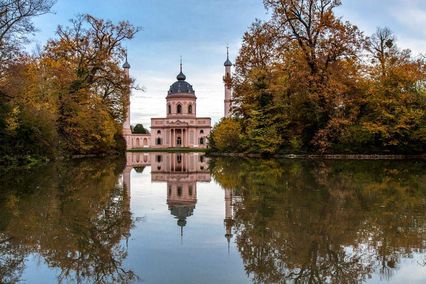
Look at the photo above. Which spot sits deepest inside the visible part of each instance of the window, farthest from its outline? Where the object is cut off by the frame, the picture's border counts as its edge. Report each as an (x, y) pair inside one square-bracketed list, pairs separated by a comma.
[(179, 191), (201, 141), (158, 141), (201, 131), (190, 190), (159, 158), (201, 159), (170, 190), (190, 109), (179, 109), (179, 159), (159, 132), (169, 107), (179, 141)]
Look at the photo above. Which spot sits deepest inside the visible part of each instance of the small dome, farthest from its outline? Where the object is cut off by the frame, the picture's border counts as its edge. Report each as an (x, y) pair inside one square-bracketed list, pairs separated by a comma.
[(126, 65), (181, 76), (228, 62)]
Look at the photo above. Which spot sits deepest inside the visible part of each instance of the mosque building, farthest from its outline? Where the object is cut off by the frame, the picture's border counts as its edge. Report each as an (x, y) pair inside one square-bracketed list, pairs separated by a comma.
[(181, 128)]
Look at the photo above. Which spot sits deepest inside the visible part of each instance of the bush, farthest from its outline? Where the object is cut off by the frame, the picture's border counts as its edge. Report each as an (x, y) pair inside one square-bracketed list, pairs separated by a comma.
[(139, 129), (226, 136)]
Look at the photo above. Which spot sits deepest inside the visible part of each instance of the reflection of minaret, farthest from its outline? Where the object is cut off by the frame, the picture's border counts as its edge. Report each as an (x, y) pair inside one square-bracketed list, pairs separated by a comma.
[(228, 216), (126, 179)]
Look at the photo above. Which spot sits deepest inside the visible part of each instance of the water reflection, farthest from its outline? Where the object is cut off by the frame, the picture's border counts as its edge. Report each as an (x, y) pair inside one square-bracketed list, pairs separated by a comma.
[(284, 221), (333, 222), (72, 216), (180, 171)]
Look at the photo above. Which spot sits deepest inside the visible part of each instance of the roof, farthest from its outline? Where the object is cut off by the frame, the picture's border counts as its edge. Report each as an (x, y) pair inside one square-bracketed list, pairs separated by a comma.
[(181, 86)]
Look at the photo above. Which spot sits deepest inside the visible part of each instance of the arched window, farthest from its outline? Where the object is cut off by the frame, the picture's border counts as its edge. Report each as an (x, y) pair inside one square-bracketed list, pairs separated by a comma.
[(158, 141), (169, 109), (190, 109), (159, 132), (179, 109), (159, 158), (201, 131), (201, 141)]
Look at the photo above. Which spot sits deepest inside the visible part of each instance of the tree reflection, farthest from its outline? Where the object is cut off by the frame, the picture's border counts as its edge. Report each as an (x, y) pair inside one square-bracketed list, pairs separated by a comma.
[(334, 222), (73, 215)]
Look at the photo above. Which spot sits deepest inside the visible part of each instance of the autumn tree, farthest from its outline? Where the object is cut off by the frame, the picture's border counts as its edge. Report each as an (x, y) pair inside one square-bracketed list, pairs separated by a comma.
[(16, 24), (307, 81), (93, 90)]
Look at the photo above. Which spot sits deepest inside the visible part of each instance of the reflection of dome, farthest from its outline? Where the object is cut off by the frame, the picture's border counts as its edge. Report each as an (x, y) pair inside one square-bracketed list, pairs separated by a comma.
[(181, 212)]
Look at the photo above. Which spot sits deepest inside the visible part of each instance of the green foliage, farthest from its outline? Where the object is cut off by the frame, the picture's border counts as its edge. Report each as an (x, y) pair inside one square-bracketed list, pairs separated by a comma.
[(139, 129), (72, 98), (325, 88), (225, 136)]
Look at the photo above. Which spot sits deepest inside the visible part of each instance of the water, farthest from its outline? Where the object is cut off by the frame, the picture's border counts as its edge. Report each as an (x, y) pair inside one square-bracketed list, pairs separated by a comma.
[(184, 218)]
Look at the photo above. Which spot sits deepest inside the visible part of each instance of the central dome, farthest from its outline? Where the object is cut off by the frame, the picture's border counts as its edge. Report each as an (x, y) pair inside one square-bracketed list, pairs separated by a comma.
[(181, 86)]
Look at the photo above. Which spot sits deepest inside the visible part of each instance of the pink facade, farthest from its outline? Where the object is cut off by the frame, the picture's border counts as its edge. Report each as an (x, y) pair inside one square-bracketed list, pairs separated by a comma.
[(181, 128)]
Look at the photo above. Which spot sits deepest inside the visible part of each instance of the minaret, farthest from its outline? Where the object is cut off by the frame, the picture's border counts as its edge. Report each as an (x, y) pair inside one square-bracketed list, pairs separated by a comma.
[(228, 216), (126, 126), (227, 80)]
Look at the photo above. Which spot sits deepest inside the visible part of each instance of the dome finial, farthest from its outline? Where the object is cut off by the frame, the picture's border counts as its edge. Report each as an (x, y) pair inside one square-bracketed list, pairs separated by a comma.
[(227, 62), (181, 76)]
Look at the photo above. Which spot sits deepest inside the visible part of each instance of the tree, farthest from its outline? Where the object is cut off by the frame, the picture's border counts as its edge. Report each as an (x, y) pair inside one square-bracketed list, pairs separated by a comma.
[(225, 136), (93, 90), (302, 84), (139, 129), (16, 25)]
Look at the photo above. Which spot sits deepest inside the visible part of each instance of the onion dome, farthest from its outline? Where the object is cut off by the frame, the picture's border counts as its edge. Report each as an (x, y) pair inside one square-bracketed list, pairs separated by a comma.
[(126, 64)]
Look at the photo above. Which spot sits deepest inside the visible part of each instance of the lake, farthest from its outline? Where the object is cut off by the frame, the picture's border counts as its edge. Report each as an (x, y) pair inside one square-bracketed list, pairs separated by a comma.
[(187, 218)]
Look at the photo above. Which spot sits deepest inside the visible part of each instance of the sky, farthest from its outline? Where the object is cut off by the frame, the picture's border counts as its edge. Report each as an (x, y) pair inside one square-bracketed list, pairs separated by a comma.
[(200, 30)]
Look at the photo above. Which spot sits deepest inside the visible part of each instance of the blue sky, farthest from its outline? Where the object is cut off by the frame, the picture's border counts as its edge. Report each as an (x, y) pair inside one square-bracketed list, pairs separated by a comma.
[(199, 30)]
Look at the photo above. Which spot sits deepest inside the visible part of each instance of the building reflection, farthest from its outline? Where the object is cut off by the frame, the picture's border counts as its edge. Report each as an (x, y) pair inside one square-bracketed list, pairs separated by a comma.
[(181, 172)]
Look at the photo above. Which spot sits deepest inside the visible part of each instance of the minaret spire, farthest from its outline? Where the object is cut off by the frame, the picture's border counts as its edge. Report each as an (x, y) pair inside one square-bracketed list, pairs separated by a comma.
[(227, 80), (181, 64)]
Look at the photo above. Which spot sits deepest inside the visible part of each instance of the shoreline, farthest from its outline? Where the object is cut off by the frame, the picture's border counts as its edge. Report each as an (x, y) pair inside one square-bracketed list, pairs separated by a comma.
[(324, 156)]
